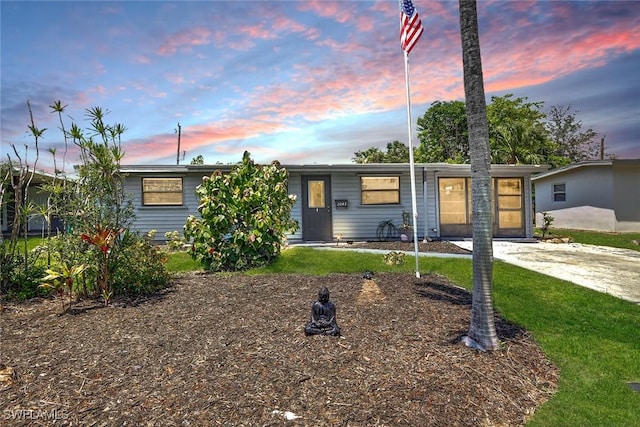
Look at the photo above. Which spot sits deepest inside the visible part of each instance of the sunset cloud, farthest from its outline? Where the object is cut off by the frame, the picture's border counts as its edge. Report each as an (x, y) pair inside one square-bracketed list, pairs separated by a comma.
[(307, 80)]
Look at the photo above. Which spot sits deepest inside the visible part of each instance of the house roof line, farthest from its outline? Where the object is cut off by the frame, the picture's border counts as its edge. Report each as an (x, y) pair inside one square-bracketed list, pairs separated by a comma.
[(584, 164), (347, 167)]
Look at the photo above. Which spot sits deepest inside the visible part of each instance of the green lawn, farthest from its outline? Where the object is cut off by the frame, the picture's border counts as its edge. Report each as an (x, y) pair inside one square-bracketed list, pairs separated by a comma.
[(615, 240), (182, 261)]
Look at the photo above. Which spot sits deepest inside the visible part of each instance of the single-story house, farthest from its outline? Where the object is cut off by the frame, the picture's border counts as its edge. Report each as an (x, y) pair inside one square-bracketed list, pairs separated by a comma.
[(36, 195), (601, 195), (349, 200)]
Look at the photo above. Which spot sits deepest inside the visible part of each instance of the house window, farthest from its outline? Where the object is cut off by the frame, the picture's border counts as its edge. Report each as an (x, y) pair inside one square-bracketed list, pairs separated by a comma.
[(380, 190), (509, 202), (559, 193), (316, 193), (162, 191), (455, 200)]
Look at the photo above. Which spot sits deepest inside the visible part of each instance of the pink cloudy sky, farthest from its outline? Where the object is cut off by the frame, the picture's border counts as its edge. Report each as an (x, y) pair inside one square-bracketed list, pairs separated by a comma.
[(302, 81)]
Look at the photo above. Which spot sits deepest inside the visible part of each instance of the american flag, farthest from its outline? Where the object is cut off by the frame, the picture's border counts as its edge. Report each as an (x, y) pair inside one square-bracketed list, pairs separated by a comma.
[(410, 26)]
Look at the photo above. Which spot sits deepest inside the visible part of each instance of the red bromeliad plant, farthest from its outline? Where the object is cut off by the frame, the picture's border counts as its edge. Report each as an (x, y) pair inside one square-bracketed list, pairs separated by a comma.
[(103, 239)]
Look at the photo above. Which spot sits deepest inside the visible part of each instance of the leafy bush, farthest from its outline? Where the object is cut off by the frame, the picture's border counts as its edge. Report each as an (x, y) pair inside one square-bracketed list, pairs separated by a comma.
[(61, 279), (175, 242), (22, 277), (69, 249), (140, 266), (244, 217)]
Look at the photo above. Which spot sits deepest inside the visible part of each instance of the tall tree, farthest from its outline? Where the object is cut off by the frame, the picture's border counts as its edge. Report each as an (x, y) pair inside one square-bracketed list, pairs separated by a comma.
[(397, 152), (519, 143), (443, 135), (573, 143), (370, 155), (519, 132), (198, 160), (482, 329), (516, 131)]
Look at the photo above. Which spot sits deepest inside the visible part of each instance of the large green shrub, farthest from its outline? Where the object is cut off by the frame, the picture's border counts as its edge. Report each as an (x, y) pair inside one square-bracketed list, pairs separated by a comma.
[(244, 217)]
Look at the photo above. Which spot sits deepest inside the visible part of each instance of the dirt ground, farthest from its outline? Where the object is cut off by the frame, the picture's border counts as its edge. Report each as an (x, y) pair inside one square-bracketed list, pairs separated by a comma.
[(229, 349)]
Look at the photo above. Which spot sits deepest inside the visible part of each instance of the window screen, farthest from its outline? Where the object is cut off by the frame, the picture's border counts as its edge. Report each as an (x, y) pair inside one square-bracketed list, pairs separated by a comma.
[(380, 190), (161, 191), (559, 193)]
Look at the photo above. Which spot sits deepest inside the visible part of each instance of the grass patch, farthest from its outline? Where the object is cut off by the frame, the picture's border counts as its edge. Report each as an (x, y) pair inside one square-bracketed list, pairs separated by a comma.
[(592, 337), (32, 243), (182, 261), (614, 240), (314, 262)]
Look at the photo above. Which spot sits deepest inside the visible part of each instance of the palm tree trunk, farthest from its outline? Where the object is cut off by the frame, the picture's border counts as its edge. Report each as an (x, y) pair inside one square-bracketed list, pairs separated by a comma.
[(482, 329)]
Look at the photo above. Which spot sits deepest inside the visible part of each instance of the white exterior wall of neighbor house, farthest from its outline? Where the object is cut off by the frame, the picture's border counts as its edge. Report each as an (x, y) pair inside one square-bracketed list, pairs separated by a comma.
[(588, 204), (626, 195), (600, 195)]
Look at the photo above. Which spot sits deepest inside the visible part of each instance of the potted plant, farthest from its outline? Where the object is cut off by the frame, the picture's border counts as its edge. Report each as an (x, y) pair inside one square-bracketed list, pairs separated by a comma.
[(406, 229)]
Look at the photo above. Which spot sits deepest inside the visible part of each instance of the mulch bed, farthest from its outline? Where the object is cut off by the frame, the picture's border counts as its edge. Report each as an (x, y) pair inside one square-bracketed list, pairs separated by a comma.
[(229, 349), (436, 246)]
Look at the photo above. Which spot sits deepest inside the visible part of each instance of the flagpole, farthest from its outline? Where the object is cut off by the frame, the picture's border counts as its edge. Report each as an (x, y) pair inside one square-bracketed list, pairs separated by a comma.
[(412, 171)]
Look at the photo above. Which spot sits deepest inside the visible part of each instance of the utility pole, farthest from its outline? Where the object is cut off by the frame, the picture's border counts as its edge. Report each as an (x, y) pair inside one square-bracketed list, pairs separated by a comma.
[(178, 155), (602, 147)]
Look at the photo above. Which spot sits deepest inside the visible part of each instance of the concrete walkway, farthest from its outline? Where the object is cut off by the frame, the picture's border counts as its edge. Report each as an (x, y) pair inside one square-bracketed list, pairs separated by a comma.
[(604, 269)]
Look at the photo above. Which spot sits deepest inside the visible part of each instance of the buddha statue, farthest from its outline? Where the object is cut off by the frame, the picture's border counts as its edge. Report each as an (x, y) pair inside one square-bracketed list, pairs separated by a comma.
[(323, 316)]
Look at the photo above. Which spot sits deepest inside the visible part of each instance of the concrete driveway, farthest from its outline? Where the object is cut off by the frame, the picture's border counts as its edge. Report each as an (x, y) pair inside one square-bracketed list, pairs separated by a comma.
[(605, 269)]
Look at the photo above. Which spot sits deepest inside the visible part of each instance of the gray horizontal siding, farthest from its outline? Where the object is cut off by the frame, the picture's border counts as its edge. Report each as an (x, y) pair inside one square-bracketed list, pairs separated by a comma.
[(162, 218), (356, 222), (360, 222), (172, 218), (431, 226), (294, 187)]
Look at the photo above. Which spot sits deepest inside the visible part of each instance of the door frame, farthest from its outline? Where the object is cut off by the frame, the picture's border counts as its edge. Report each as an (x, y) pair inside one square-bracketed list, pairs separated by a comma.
[(466, 229), (326, 214)]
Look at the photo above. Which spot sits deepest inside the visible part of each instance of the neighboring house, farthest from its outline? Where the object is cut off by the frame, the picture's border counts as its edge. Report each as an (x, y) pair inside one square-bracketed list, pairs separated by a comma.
[(349, 200), (36, 223), (602, 195)]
